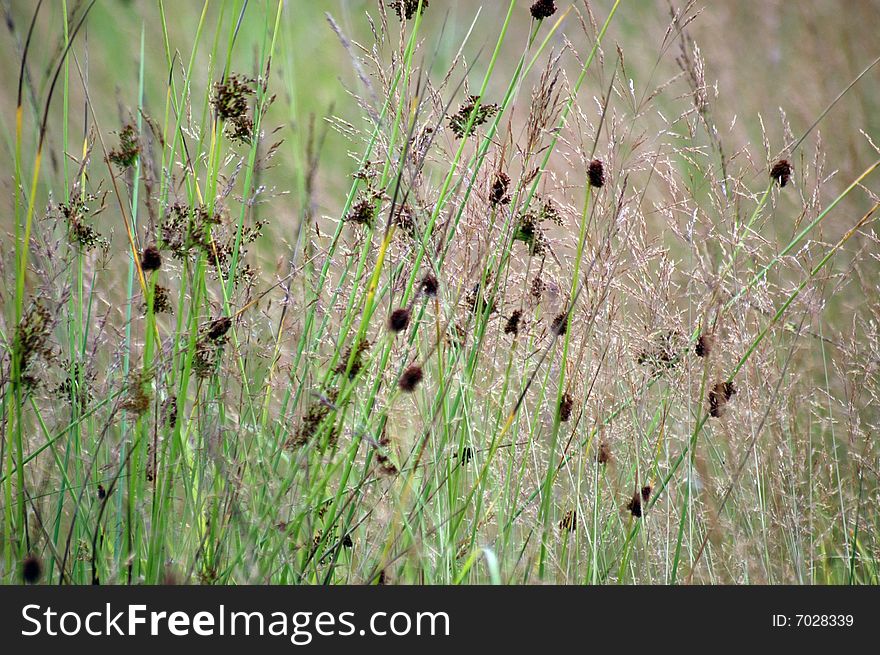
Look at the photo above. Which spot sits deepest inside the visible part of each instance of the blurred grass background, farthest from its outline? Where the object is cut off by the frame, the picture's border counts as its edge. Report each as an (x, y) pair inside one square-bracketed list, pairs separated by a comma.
[(766, 56)]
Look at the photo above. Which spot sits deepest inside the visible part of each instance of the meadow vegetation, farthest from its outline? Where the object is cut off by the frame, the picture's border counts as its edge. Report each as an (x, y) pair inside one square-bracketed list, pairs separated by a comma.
[(447, 292)]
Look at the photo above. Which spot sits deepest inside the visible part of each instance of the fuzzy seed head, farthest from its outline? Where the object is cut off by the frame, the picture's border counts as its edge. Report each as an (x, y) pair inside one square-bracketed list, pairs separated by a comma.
[(596, 173), (410, 378), (399, 320)]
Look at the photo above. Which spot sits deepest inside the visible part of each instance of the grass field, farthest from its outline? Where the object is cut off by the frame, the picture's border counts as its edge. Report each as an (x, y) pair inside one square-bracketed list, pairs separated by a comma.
[(447, 292)]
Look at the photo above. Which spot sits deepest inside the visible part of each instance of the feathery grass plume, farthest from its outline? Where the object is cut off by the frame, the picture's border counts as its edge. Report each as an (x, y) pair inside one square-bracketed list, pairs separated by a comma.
[(129, 148), (663, 353), (498, 195), (512, 325), (459, 121), (781, 172), (542, 9), (719, 395), (568, 522), (566, 404), (410, 378), (406, 9), (429, 285), (596, 174), (31, 569), (151, 259), (703, 347), (399, 319)]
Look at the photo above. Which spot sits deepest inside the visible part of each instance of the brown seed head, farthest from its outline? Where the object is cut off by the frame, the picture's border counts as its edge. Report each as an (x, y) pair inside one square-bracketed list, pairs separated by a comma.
[(635, 505), (566, 403), (543, 9), (410, 378), (603, 456), (151, 259), (718, 397), (399, 320), (781, 172), (512, 325), (31, 569), (559, 325), (218, 328), (429, 285), (596, 173), (704, 345)]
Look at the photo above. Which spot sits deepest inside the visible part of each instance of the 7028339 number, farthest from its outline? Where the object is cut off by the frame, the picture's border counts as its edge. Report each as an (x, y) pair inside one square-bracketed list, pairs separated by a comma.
[(823, 620)]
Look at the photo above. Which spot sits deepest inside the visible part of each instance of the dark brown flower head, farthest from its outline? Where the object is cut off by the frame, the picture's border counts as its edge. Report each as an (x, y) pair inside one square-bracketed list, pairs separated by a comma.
[(218, 328), (126, 154), (31, 569), (646, 493), (569, 521), (363, 212), (559, 326), (310, 426), (704, 345), (429, 285), (399, 319), (358, 362), (410, 378), (161, 300), (467, 454), (458, 123), (102, 492), (718, 397), (230, 97), (635, 505), (596, 173), (566, 403), (603, 456), (537, 287), (138, 392), (406, 9), (151, 259), (512, 325), (498, 195), (781, 172), (543, 9), (347, 542)]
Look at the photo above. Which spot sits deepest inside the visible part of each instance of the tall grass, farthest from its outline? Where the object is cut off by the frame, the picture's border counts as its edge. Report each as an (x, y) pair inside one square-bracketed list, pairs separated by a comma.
[(520, 311)]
